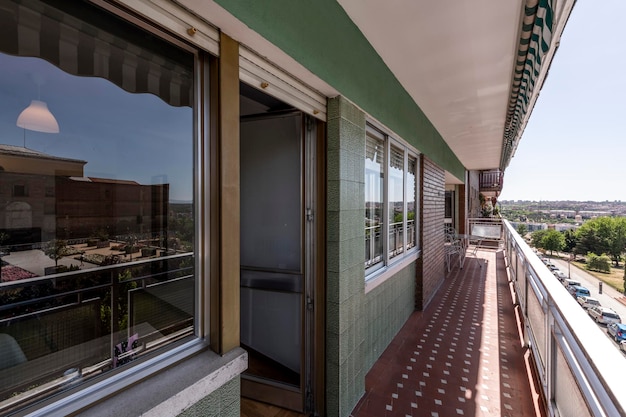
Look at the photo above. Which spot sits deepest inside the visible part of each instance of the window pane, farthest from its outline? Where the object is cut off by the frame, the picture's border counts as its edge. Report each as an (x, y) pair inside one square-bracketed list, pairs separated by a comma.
[(411, 197), (99, 196), (396, 202), (449, 204), (374, 187)]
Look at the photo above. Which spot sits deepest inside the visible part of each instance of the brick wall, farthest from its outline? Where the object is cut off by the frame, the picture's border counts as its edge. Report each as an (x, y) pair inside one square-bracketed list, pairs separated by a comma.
[(432, 217)]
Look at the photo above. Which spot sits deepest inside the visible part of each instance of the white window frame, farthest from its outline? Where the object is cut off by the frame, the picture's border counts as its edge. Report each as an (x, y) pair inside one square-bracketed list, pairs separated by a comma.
[(379, 272)]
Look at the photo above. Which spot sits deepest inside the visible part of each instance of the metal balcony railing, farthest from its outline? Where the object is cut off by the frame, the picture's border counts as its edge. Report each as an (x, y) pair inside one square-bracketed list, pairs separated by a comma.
[(395, 244), (66, 328), (491, 180), (581, 372)]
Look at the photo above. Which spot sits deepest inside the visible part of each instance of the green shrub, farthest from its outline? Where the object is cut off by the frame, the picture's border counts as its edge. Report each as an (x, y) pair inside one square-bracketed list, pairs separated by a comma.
[(600, 263)]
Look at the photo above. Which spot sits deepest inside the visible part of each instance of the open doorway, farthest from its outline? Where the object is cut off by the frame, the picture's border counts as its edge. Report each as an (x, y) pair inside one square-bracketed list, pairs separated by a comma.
[(279, 261)]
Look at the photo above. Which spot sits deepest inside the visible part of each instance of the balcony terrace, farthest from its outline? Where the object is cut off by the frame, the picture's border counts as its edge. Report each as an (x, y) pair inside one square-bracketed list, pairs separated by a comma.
[(501, 338), (463, 355)]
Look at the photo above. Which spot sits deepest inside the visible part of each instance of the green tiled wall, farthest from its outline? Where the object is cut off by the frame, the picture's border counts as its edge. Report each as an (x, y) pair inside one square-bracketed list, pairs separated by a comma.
[(359, 326), (223, 402), (345, 336), (387, 307)]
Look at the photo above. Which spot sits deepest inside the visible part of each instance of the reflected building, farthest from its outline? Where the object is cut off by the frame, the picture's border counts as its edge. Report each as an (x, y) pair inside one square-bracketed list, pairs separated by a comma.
[(45, 196)]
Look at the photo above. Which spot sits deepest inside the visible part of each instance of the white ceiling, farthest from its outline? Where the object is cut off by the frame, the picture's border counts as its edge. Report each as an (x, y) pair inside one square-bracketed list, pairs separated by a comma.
[(455, 58)]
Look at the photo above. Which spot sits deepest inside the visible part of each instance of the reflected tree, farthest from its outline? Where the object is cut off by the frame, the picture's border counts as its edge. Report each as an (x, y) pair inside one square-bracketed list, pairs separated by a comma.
[(55, 250)]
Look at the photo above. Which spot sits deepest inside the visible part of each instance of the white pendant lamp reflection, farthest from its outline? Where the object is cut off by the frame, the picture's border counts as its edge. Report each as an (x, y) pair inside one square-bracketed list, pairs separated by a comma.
[(37, 117)]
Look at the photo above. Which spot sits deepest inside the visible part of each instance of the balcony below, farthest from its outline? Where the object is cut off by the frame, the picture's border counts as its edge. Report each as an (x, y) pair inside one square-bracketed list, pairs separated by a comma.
[(464, 355), (491, 182)]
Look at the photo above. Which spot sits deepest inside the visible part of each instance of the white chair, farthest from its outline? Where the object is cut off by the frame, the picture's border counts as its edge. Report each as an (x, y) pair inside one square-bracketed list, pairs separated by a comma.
[(454, 247)]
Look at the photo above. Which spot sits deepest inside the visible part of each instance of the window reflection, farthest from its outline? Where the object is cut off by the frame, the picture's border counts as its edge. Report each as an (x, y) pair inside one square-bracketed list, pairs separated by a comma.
[(396, 202), (374, 188), (411, 195), (96, 221)]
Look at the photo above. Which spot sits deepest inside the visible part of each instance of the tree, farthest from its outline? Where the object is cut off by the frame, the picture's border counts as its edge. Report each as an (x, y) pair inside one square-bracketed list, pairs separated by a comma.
[(602, 235), (618, 239), (553, 241), (537, 238), (570, 240), (55, 250), (522, 229)]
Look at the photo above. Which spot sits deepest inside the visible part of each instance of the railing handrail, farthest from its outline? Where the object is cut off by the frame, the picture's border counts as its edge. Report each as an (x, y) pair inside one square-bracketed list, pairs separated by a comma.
[(597, 367), (88, 290), (72, 274)]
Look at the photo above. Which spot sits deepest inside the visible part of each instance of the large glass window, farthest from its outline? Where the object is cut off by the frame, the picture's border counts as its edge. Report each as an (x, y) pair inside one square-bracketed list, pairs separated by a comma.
[(396, 201), (390, 200), (97, 226), (374, 198), (411, 202)]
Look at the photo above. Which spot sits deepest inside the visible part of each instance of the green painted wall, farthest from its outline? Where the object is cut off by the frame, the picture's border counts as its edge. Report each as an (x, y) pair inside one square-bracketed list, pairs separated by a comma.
[(223, 402), (321, 36)]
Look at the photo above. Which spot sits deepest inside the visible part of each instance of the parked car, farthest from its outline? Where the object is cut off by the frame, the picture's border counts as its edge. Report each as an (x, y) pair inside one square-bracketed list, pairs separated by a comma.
[(586, 301), (551, 266), (617, 331), (578, 291), (570, 282), (603, 315), (622, 345), (560, 275)]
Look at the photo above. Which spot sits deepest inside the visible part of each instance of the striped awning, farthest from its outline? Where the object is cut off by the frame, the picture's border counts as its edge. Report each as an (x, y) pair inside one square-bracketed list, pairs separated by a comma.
[(535, 40), (81, 40)]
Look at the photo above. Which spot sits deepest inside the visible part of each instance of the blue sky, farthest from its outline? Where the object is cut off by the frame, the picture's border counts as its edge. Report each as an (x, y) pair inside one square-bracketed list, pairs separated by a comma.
[(574, 145), (121, 135)]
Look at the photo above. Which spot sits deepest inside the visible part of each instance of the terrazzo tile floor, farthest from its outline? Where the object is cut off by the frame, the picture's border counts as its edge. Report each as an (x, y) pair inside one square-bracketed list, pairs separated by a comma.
[(461, 356)]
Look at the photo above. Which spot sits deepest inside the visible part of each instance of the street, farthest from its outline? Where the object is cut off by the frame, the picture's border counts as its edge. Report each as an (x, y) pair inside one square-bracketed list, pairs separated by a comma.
[(609, 298)]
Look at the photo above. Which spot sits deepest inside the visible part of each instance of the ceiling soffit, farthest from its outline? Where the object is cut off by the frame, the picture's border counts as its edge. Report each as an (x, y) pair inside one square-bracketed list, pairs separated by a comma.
[(464, 63)]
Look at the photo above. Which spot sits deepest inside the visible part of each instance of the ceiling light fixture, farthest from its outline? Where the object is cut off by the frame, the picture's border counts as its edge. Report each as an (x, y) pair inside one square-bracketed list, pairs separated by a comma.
[(37, 117)]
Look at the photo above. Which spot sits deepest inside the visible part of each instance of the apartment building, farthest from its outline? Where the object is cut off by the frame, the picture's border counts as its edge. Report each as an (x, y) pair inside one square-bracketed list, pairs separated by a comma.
[(321, 147)]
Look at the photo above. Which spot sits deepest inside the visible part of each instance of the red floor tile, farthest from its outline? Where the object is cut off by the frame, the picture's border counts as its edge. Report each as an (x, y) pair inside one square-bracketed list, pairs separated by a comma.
[(462, 356)]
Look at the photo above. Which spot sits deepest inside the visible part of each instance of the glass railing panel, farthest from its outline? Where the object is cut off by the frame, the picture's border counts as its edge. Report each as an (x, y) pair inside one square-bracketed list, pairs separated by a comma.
[(567, 398), (537, 324)]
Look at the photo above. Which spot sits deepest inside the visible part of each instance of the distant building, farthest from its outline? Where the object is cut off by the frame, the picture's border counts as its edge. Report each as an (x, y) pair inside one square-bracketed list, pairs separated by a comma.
[(590, 214), (532, 227), (561, 227), (563, 213), (87, 204), (44, 196), (27, 192)]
